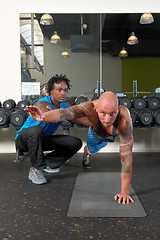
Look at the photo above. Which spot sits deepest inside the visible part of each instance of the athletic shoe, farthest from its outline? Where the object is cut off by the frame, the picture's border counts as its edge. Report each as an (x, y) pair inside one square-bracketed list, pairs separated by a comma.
[(86, 163), (36, 176), (51, 170)]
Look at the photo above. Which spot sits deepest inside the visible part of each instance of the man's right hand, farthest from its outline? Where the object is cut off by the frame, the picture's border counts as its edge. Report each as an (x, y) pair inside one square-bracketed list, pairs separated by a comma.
[(35, 113)]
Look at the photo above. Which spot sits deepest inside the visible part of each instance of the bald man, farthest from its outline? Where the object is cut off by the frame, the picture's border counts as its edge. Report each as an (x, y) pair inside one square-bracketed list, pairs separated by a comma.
[(108, 122)]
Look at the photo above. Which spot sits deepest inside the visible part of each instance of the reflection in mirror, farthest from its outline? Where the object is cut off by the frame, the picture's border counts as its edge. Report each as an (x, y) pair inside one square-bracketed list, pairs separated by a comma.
[(93, 43)]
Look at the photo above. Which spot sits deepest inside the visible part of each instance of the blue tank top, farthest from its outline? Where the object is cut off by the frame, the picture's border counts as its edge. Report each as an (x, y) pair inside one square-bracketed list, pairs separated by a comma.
[(50, 128)]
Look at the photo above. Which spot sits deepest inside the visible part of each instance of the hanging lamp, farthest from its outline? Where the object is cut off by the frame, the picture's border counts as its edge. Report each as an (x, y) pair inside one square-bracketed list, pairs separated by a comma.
[(132, 40), (146, 18), (46, 19), (65, 54), (123, 53), (55, 39)]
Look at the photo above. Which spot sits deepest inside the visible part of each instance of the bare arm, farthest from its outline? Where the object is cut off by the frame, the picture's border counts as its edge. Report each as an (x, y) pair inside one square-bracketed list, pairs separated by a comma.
[(126, 144), (70, 114)]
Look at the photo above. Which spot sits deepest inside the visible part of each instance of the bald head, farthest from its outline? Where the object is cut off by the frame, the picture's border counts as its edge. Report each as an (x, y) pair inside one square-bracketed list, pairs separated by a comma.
[(109, 98), (107, 108)]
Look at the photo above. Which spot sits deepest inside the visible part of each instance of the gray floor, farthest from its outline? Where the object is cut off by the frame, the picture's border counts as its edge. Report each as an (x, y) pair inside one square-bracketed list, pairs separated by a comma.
[(28, 211)]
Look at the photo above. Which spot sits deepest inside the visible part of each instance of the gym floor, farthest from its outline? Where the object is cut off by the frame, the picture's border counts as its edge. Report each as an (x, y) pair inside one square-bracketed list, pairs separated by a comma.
[(29, 211)]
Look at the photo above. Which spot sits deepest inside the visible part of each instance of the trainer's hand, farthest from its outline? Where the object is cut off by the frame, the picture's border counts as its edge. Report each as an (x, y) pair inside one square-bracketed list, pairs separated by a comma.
[(123, 198), (35, 113)]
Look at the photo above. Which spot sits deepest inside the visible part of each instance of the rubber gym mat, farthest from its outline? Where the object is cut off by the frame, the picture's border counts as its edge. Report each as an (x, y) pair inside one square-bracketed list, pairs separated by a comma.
[(93, 197)]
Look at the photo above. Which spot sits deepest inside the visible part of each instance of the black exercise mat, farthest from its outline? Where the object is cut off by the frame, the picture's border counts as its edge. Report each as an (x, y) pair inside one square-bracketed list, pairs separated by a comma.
[(93, 197)]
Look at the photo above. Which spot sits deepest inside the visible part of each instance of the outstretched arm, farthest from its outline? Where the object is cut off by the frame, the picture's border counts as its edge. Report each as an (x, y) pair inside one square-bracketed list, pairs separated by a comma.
[(70, 114), (126, 144)]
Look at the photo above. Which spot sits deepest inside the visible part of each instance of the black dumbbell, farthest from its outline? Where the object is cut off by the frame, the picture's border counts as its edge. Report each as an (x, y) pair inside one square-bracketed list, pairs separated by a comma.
[(22, 104), (4, 118), (156, 116), (66, 124), (139, 103), (9, 104), (145, 117), (17, 118), (125, 101), (153, 102), (80, 100), (134, 115)]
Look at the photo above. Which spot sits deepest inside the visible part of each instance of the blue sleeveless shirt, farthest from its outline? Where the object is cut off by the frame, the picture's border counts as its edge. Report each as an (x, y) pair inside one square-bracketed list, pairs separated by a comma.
[(50, 128)]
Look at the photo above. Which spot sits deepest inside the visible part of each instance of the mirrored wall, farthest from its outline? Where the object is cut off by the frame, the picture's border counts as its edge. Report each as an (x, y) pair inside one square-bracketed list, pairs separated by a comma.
[(87, 49)]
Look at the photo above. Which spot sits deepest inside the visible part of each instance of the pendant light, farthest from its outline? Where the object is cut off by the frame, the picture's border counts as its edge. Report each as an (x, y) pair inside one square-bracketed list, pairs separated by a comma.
[(123, 53), (46, 19), (65, 54), (55, 39), (146, 18), (132, 40)]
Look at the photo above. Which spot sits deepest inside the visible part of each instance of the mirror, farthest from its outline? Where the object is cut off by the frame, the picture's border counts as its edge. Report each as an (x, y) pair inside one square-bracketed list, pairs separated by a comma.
[(93, 42)]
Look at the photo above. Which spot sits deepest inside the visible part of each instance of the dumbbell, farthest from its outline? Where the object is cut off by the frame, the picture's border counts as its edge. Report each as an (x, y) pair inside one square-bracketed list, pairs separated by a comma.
[(153, 102), (22, 104), (18, 117), (70, 101), (4, 118), (66, 124), (139, 103), (156, 116), (145, 117), (125, 101), (80, 100), (9, 104), (134, 115)]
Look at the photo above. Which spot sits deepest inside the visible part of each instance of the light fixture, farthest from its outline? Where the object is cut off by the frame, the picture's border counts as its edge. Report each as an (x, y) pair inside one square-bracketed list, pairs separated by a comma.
[(55, 38), (46, 19), (132, 40), (146, 18), (65, 54), (123, 53), (22, 51)]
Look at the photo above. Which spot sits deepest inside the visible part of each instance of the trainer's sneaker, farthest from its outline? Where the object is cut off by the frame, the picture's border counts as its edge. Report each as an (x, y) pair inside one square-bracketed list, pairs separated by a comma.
[(36, 176), (86, 163), (51, 170)]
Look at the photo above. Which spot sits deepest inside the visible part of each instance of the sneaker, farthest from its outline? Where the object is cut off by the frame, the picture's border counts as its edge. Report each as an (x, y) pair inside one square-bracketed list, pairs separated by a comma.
[(36, 176), (86, 163), (51, 170)]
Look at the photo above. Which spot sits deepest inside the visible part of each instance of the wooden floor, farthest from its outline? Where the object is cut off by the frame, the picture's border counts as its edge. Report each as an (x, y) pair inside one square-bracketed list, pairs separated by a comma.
[(35, 212)]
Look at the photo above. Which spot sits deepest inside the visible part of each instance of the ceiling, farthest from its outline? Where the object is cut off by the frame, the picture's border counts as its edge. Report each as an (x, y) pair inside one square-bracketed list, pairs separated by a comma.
[(115, 30)]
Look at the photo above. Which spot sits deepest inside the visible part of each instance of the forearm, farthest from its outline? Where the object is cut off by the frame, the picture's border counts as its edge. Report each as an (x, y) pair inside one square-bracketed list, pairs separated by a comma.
[(126, 173), (55, 116), (126, 164)]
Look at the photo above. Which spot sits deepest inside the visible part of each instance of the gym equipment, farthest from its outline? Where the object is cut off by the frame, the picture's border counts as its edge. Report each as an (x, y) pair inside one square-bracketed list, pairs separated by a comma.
[(134, 115), (9, 104), (125, 101), (17, 118), (153, 102), (70, 101), (145, 117), (139, 103), (156, 116), (81, 99), (4, 118), (93, 197), (22, 104), (66, 124)]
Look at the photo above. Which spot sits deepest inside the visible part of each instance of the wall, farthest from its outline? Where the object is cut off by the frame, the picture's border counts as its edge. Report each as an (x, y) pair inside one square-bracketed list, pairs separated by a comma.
[(83, 69), (10, 82), (146, 70)]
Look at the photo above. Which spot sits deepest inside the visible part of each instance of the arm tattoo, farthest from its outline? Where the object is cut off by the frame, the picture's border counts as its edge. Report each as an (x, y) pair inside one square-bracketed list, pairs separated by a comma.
[(76, 111), (126, 144)]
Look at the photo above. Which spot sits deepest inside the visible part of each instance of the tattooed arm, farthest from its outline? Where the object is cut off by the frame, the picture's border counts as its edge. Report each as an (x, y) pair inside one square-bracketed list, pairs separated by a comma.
[(126, 144), (70, 114)]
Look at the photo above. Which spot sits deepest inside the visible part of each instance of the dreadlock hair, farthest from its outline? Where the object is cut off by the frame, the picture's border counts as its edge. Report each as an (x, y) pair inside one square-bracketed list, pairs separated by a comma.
[(57, 79)]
